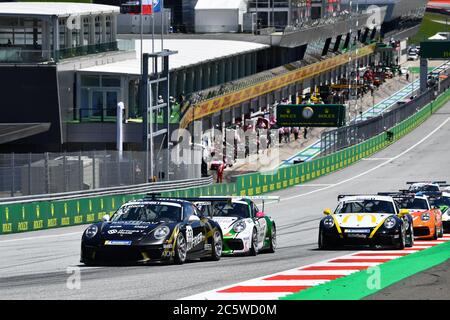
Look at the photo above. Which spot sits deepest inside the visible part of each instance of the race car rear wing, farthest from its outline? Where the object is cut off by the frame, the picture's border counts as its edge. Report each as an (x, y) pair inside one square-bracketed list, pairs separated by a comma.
[(221, 198), (440, 183), (232, 198), (341, 196), (398, 194)]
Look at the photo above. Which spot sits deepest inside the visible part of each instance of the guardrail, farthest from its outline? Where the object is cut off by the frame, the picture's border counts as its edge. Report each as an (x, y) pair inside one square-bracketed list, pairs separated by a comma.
[(132, 189)]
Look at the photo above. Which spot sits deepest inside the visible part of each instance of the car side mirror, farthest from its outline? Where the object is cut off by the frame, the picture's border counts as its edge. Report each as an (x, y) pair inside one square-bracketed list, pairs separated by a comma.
[(193, 218), (403, 212), (106, 218), (260, 214), (327, 211)]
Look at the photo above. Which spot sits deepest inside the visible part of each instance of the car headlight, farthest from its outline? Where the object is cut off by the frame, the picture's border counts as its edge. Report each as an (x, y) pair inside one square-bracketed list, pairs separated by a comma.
[(239, 226), (328, 222), (390, 222), (91, 231), (425, 217), (161, 232)]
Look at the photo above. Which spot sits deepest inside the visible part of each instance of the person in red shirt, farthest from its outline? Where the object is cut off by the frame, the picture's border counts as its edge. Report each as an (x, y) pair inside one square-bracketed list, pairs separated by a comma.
[(220, 170)]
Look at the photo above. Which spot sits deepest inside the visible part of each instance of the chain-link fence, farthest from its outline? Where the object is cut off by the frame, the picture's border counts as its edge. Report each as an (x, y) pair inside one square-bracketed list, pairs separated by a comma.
[(45, 173), (341, 138)]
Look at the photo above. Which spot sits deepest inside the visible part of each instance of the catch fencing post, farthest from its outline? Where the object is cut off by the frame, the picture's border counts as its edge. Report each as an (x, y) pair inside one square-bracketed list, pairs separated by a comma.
[(93, 170), (65, 171), (80, 173), (13, 175), (46, 174), (29, 173)]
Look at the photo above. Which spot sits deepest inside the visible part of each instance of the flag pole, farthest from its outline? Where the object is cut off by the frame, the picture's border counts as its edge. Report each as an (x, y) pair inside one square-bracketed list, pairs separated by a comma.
[(161, 9), (153, 32), (142, 35)]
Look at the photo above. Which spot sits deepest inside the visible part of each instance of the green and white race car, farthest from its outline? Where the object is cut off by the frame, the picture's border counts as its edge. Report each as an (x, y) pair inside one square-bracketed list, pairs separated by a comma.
[(245, 228)]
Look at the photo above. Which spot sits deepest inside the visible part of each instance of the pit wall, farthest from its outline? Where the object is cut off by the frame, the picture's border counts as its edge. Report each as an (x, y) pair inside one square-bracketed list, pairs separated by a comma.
[(41, 215)]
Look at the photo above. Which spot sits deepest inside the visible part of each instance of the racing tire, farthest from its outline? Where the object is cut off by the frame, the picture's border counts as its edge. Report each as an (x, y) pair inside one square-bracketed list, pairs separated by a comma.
[(436, 233), (216, 247), (323, 244), (273, 240), (180, 249), (410, 237), (401, 242), (441, 231), (89, 263), (254, 248)]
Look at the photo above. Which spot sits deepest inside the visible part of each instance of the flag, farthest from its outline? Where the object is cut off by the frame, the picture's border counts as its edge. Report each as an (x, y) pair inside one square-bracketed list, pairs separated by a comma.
[(147, 7), (156, 5)]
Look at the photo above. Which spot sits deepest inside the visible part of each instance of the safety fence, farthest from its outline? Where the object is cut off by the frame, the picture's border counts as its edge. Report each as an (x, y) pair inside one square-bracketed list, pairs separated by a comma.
[(51, 214), (50, 173)]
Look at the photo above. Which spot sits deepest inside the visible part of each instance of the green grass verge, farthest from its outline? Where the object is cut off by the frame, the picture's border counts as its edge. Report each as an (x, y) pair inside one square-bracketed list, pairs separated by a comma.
[(429, 27), (358, 285)]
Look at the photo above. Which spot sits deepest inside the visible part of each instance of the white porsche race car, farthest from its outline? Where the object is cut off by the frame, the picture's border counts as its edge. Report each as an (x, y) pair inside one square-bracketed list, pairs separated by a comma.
[(245, 228)]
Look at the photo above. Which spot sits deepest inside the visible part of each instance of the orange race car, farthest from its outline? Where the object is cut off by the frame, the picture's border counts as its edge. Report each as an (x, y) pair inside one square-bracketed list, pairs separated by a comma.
[(427, 220)]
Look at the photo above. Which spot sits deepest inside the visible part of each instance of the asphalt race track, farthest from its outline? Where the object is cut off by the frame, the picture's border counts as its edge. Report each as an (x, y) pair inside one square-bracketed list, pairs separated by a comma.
[(34, 265)]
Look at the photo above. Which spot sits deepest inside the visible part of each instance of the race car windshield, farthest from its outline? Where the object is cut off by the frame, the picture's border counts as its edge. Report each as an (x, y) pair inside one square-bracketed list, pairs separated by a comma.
[(152, 213), (426, 188), (441, 201), (226, 209), (412, 204), (366, 206)]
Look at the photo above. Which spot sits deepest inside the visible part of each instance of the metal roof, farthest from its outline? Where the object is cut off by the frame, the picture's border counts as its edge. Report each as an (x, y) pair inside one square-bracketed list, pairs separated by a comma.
[(190, 52), (15, 131), (53, 8)]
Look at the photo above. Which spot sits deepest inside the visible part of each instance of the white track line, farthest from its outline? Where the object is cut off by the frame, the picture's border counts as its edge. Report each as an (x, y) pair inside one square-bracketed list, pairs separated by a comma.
[(43, 237)]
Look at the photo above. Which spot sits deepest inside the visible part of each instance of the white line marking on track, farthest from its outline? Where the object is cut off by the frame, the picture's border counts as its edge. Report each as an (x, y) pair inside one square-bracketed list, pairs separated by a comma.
[(314, 185), (376, 159), (43, 237)]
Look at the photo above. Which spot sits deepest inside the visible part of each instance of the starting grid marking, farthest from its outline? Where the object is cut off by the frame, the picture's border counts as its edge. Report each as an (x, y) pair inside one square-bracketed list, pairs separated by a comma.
[(278, 285)]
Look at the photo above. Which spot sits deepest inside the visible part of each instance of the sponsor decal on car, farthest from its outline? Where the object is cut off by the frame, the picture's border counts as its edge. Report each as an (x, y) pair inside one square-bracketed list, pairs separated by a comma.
[(117, 243)]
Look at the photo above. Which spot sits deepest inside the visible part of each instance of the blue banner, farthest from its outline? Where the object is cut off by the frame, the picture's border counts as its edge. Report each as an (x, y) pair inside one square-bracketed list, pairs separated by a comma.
[(157, 5)]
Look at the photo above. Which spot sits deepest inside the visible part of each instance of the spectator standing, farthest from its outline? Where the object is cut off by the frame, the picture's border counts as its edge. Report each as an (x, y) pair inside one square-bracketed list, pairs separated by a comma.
[(287, 135), (280, 134), (295, 131), (220, 170), (305, 133)]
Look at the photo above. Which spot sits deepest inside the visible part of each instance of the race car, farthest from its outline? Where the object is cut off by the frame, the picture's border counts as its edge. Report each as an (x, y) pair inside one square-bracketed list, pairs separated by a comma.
[(152, 229), (365, 220), (425, 187), (427, 222), (245, 228), (442, 201)]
